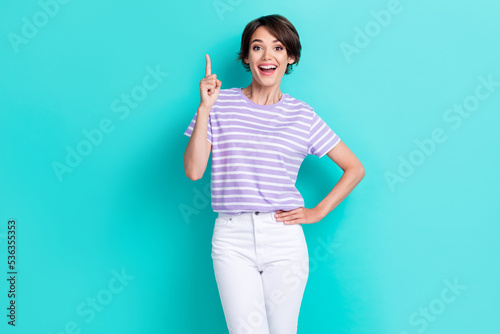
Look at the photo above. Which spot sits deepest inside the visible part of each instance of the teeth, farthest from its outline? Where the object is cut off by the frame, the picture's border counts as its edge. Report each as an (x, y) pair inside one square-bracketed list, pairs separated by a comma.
[(268, 67)]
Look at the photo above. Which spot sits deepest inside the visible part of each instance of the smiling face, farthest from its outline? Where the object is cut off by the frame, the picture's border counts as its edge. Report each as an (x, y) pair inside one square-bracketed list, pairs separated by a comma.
[(267, 58)]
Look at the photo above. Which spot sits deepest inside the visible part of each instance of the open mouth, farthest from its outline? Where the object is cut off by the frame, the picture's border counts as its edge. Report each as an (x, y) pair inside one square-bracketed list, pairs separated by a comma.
[(267, 69)]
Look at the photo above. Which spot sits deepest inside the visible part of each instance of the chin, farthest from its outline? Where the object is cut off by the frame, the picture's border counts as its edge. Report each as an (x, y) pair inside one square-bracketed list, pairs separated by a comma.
[(267, 83)]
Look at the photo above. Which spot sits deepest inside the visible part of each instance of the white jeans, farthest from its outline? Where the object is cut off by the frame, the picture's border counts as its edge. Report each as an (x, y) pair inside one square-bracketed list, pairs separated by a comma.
[(261, 267)]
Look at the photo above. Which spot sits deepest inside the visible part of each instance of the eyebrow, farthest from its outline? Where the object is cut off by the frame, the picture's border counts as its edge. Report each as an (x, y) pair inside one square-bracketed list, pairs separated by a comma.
[(259, 40)]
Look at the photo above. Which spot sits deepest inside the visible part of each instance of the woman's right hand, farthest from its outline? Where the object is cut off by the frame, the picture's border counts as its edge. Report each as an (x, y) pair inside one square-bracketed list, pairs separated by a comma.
[(209, 87)]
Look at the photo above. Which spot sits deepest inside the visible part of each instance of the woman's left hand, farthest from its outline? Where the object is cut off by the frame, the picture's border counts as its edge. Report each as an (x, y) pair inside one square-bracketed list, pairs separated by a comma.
[(300, 215)]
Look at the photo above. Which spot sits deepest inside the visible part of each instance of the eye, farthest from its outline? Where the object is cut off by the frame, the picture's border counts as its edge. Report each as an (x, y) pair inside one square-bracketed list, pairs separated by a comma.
[(281, 48), (255, 47)]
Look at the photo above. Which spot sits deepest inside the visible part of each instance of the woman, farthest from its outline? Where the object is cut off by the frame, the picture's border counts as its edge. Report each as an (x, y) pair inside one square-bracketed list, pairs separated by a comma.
[(260, 137)]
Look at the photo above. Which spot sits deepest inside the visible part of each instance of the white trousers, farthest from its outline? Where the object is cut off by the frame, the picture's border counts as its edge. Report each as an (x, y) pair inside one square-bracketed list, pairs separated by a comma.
[(261, 268)]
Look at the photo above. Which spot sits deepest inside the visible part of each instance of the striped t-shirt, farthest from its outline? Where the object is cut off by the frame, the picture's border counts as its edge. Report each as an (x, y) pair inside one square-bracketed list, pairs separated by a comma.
[(257, 151)]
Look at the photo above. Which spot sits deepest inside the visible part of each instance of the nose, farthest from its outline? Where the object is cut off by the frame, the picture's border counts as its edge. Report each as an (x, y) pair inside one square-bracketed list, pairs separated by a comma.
[(266, 54)]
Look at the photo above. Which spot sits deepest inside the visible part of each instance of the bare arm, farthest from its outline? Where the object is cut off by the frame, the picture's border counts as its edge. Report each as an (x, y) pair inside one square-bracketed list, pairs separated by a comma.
[(198, 148), (354, 172)]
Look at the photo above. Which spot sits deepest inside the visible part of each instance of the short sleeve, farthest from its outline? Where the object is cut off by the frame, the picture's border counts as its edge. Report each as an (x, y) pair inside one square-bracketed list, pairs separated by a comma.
[(190, 128), (321, 137)]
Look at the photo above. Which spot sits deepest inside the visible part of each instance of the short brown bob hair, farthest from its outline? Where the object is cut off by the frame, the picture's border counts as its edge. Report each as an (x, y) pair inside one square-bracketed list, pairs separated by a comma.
[(278, 26)]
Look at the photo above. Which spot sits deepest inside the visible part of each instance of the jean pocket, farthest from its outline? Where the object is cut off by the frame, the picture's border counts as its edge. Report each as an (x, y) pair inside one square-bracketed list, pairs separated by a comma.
[(222, 222)]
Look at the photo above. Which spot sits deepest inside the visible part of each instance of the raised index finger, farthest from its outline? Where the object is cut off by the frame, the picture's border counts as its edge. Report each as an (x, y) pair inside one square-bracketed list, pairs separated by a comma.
[(208, 70)]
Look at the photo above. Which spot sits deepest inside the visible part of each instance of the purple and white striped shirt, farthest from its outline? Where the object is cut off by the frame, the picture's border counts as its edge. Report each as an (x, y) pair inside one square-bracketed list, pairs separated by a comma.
[(257, 151)]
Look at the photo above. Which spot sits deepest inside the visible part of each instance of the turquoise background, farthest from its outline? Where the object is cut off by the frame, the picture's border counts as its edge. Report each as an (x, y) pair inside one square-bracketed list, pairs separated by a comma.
[(127, 206)]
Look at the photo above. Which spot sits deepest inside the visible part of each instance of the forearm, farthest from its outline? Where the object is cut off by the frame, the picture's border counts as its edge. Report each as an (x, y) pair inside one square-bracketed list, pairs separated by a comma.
[(196, 157), (349, 180)]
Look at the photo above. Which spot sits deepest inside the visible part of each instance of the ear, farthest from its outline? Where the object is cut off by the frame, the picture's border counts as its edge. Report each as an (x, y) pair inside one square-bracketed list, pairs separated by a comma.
[(291, 60), (245, 60)]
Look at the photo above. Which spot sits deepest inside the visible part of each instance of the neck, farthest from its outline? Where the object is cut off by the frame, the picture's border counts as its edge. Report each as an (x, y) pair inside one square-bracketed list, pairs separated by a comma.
[(263, 94)]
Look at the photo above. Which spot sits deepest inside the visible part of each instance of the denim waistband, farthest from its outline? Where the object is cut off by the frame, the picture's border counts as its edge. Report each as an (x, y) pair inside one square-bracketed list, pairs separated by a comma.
[(226, 215)]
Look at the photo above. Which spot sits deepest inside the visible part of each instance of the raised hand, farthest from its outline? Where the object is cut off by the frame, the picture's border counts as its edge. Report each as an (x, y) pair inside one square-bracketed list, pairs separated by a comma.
[(209, 87)]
